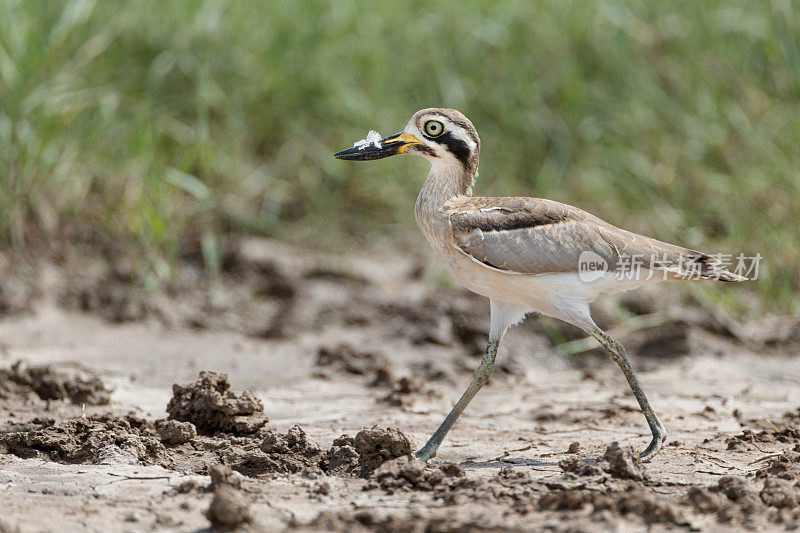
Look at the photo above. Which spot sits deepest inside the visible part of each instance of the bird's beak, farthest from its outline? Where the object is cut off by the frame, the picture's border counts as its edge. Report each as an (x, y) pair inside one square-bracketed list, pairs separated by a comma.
[(391, 145)]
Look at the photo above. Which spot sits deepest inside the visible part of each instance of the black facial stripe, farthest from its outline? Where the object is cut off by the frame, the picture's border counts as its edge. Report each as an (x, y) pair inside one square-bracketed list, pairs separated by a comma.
[(467, 129), (424, 149), (457, 147)]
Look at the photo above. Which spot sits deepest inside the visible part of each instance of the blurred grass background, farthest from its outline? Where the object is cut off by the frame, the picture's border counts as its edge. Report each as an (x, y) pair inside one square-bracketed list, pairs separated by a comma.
[(153, 121)]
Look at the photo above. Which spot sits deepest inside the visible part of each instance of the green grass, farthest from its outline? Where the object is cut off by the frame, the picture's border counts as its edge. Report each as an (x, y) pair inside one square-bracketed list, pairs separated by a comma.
[(152, 122)]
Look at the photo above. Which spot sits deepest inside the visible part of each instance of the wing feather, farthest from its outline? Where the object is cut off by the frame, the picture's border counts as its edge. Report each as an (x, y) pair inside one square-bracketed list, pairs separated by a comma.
[(538, 236)]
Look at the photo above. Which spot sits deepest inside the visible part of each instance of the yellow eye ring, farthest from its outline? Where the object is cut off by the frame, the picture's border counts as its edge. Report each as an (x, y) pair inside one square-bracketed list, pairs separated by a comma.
[(433, 128)]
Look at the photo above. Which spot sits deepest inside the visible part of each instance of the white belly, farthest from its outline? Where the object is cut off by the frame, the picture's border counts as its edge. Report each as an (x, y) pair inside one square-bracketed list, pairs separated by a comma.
[(561, 295)]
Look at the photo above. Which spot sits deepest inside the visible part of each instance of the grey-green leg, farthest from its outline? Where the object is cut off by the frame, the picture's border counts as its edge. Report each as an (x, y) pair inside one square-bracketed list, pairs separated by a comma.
[(480, 378), (620, 356)]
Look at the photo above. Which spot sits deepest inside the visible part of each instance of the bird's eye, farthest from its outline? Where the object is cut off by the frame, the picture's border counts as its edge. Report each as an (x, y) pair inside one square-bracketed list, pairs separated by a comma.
[(434, 128)]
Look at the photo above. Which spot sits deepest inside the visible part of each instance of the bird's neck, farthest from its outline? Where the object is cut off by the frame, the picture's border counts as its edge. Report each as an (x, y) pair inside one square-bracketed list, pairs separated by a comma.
[(444, 182)]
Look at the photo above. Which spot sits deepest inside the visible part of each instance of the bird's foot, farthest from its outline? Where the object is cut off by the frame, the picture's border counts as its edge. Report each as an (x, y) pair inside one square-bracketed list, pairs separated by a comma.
[(652, 448), (425, 453)]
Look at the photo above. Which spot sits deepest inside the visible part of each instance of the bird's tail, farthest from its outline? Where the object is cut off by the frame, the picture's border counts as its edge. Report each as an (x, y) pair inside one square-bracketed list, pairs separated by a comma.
[(702, 266)]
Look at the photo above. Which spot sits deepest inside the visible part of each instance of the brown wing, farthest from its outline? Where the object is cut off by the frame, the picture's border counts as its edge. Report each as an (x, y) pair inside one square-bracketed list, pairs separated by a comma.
[(537, 236)]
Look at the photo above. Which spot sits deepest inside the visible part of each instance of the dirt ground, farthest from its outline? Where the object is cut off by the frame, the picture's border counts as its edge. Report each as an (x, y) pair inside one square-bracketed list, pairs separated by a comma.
[(288, 395)]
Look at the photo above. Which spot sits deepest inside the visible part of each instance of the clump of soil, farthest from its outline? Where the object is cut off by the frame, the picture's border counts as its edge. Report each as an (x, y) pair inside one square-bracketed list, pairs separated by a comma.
[(294, 452), (256, 299), (342, 457), (749, 440), (785, 466), (623, 463), (175, 431), (579, 467), (97, 439), (406, 473), (345, 358), (448, 321), (377, 445), (112, 298), (620, 462), (222, 475), (779, 493), (367, 520), (650, 507), (738, 500), (291, 452), (633, 501), (208, 425), (20, 380), (212, 407), (704, 500), (230, 507), (510, 486), (782, 481), (403, 392)]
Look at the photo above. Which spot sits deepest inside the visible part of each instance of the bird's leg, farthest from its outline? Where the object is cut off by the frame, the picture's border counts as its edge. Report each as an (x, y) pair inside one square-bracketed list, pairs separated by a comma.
[(620, 356), (480, 378)]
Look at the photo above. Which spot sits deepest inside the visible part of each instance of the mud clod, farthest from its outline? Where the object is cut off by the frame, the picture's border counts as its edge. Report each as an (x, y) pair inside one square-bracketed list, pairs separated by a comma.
[(406, 390), (403, 391), (342, 457), (377, 445), (633, 502), (569, 500), (50, 384), (345, 521), (749, 440), (229, 508), (97, 439), (779, 493), (291, 452), (623, 463), (223, 475), (212, 407), (785, 466), (734, 487), (407, 473), (175, 431), (109, 297), (345, 358), (704, 500), (648, 507), (579, 467)]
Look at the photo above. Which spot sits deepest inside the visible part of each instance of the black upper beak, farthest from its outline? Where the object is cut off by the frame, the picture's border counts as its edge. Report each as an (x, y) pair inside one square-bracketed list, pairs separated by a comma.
[(391, 145)]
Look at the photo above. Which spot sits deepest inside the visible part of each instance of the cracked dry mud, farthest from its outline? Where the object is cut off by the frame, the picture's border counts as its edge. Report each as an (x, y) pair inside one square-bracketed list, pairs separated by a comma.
[(290, 396)]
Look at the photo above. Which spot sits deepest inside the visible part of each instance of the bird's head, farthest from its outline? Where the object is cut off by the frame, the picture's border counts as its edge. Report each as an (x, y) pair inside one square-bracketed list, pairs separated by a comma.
[(445, 137)]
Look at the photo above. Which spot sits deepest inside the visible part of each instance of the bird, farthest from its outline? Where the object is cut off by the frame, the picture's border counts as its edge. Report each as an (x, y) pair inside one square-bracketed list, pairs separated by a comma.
[(526, 254)]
